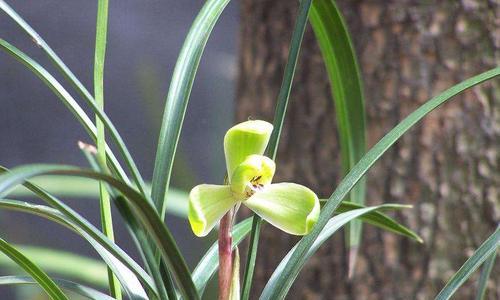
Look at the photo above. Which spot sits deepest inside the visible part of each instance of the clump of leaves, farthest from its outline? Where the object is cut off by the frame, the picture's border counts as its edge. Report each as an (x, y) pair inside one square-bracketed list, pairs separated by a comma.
[(162, 273)]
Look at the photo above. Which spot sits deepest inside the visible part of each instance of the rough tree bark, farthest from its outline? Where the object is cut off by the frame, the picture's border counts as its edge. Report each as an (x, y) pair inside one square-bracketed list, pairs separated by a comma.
[(447, 167)]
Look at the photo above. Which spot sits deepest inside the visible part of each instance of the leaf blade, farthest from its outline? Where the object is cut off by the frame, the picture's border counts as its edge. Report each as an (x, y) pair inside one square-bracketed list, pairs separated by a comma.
[(83, 188), (381, 220), (279, 118), (117, 258), (178, 97), (57, 61), (331, 227), (485, 275), (209, 263), (81, 115), (488, 247), (144, 210), (47, 284), (65, 284), (61, 262), (99, 58), (346, 85), (110, 255)]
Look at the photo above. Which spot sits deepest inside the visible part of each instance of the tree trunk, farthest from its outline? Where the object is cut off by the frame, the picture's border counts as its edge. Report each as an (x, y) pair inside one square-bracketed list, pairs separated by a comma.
[(447, 167)]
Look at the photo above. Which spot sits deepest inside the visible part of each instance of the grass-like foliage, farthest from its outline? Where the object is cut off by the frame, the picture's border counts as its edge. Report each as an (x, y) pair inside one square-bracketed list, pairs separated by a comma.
[(250, 151)]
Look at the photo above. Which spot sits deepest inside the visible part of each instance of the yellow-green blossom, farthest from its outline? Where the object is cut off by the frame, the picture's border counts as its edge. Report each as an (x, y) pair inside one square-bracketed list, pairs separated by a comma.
[(290, 207)]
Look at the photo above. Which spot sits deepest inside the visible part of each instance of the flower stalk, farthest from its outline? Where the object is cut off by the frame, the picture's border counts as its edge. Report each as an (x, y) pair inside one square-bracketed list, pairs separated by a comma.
[(225, 254)]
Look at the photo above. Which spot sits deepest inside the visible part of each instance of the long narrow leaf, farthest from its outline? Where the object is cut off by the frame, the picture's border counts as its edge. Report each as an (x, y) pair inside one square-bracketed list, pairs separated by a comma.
[(136, 231), (128, 280), (376, 218), (57, 61), (286, 84), (298, 258), (80, 114), (347, 89), (178, 97), (33, 270), (485, 276), (99, 57), (142, 208), (116, 255), (64, 284), (480, 255), (279, 119), (62, 263), (142, 242), (331, 227), (83, 188), (209, 263)]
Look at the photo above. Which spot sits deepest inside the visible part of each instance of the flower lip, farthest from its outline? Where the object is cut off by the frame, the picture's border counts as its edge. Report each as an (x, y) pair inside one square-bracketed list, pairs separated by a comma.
[(255, 172)]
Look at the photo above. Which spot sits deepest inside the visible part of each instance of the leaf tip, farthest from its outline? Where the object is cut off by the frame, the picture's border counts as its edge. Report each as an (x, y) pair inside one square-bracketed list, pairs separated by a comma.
[(353, 258)]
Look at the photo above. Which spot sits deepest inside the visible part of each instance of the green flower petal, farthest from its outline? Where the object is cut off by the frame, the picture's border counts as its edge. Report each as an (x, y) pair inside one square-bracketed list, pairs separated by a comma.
[(254, 172), (207, 204), (244, 139), (291, 207)]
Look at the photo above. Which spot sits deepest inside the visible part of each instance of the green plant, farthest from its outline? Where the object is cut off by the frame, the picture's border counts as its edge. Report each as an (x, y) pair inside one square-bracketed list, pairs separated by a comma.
[(163, 273)]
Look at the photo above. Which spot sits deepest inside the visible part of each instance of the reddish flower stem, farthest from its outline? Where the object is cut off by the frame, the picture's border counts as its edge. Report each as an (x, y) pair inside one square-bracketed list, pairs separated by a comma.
[(225, 255)]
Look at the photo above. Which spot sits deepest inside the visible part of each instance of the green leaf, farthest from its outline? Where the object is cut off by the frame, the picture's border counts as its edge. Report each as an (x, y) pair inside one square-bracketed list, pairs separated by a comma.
[(100, 243), (33, 270), (139, 237), (331, 227), (76, 187), (116, 258), (178, 97), (145, 248), (279, 118), (210, 261), (105, 202), (298, 258), (83, 92), (141, 207), (38, 40), (62, 263), (343, 71), (64, 284), (80, 114), (290, 207), (244, 139), (485, 276), (207, 204), (488, 248), (380, 220)]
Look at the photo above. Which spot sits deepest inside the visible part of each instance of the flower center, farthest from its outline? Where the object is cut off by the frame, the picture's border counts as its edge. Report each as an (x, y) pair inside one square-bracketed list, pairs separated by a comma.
[(251, 176), (254, 186)]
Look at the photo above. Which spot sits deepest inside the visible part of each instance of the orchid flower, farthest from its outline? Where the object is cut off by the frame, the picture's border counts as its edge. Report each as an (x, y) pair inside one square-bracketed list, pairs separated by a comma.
[(290, 207)]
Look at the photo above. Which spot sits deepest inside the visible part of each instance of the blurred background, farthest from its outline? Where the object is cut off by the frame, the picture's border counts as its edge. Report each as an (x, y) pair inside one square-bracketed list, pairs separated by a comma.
[(144, 40)]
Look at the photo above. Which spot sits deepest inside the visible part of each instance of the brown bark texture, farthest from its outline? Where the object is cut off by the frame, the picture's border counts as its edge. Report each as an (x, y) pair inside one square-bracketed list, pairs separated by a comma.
[(447, 167)]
